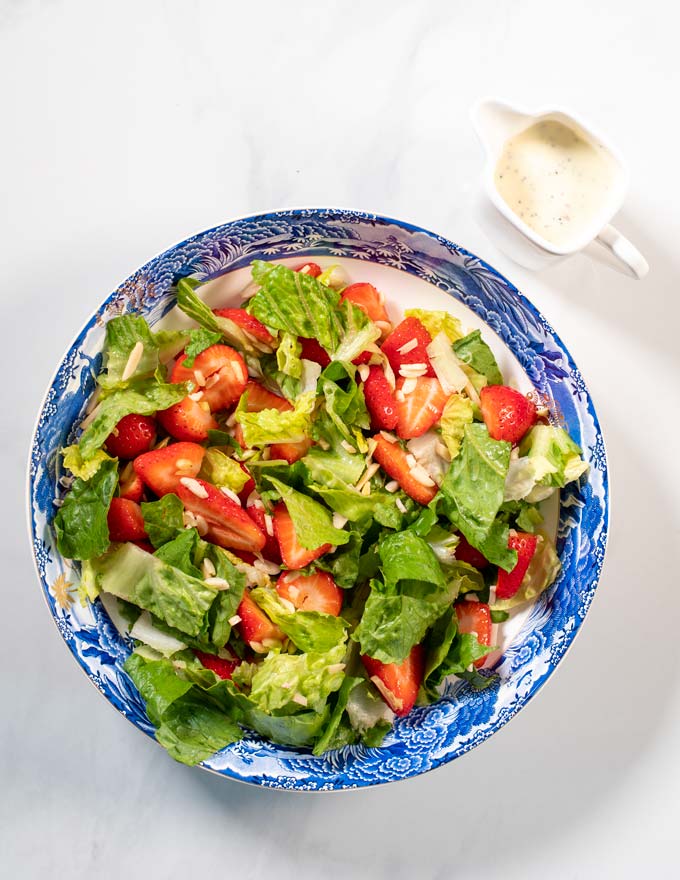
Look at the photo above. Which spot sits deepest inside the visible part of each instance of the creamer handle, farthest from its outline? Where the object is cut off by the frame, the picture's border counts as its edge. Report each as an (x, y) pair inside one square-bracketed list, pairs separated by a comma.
[(634, 263)]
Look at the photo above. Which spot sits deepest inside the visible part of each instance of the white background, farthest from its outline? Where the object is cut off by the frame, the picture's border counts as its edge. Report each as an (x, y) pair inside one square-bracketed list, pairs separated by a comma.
[(127, 126)]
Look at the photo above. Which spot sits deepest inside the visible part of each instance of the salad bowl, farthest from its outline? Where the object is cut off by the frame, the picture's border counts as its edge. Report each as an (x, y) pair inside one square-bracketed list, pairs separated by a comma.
[(413, 267)]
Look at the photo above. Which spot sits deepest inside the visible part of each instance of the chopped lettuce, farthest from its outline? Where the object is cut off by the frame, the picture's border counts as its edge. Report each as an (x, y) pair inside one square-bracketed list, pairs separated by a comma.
[(272, 426), (125, 334), (199, 341), (81, 522), (554, 455), (222, 471), (300, 305), (337, 734), (163, 519), (437, 322), (344, 399), (74, 462), (312, 521), (181, 552), (449, 652), (446, 365), (288, 356), (472, 350), (458, 412), (308, 630), (367, 710)]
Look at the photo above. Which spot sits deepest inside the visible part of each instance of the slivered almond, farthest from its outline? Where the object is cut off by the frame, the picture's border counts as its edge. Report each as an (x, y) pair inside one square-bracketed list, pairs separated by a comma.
[(335, 667), (258, 647), (234, 620), (371, 443), (400, 395), (194, 487), (348, 447), (287, 604), (133, 361), (364, 372), (208, 568), (197, 395), (200, 378), (299, 699), (218, 583), (268, 524), (339, 521), (271, 643), (390, 698), (266, 567), (324, 444), (408, 346), (411, 460), (421, 475), (392, 486), (230, 494), (231, 421), (212, 380), (366, 490), (383, 326), (409, 386), (391, 438), (201, 524), (442, 450), (368, 473), (399, 504)]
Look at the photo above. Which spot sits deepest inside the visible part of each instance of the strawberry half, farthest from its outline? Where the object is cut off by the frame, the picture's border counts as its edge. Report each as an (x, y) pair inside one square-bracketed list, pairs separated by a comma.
[(255, 510), (256, 628), (312, 351), (465, 552), (219, 373), (380, 400), (510, 581), (398, 683), (475, 617), (311, 269), (162, 469), (368, 299), (130, 484), (188, 420), (404, 335), (125, 521), (507, 413), (228, 523), (294, 555), (290, 452), (249, 487), (393, 460), (260, 398), (311, 592), (247, 322), (420, 408), (224, 669), (132, 436)]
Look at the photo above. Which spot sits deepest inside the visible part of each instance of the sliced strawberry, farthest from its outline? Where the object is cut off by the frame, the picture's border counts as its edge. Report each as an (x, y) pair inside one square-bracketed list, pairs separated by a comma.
[(188, 420), (228, 523), (393, 460), (132, 436), (147, 546), (465, 552), (363, 358), (403, 335), (475, 617), (249, 487), (510, 581), (290, 452), (256, 628), (294, 555), (398, 683), (130, 484), (507, 413), (125, 520), (312, 351), (258, 514), (219, 372), (311, 269), (420, 408), (380, 400), (247, 322), (224, 669), (162, 469), (260, 398), (368, 299), (311, 592)]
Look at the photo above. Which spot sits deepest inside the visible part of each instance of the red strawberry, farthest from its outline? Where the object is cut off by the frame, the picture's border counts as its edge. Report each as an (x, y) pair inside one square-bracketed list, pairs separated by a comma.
[(475, 617), (260, 398), (147, 546), (258, 514), (256, 628), (465, 552), (380, 400), (403, 335), (125, 520), (248, 487), (507, 413), (132, 436), (420, 408), (363, 358), (368, 299), (294, 555), (312, 351), (311, 592), (398, 683), (393, 460), (510, 581), (290, 452), (222, 668), (219, 372), (228, 523), (188, 420), (247, 322), (130, 484), (162, 469), (311, 269)]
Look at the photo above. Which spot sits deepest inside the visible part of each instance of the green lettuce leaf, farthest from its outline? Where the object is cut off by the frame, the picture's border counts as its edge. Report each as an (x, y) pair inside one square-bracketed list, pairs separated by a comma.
[(437, 322), (555, 457), (300, 305), (334, 468), (181, 552), (449, 652), (312, 521), (199, 340), (472, 350), (272, 426), (170, 343), (335, 735), (308, 630), (81, 522), (222, 471), (143, 397), (288, 356), (163, 519), (158, 683), (192, 729), (542, 572), (345, 564), (358, 508), (458, 412), (74, 462), (344, 399), (123, 334), (227, 601)]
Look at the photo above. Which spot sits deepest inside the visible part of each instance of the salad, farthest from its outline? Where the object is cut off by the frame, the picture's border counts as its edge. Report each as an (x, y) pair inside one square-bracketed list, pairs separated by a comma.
[(305, 513)]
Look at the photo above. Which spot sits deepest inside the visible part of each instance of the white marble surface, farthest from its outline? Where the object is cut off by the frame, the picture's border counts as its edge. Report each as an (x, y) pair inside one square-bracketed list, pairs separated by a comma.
[(127, 126)]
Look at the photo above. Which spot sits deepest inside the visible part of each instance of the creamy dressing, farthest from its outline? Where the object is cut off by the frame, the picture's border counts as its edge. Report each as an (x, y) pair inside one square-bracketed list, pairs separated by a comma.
[(555, 180)]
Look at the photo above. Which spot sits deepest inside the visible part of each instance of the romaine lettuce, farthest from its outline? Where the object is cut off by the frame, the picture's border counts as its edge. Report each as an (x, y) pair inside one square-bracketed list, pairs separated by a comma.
[(458, 412), (81, 522), (272, 426), (437, 322), (472, 350), (308, 630), (163, 519), (222, 471), (312, 521)]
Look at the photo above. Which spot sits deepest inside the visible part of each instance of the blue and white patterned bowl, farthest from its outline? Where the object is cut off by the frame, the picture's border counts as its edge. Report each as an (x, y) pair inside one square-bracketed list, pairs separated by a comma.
[(399, 255)]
